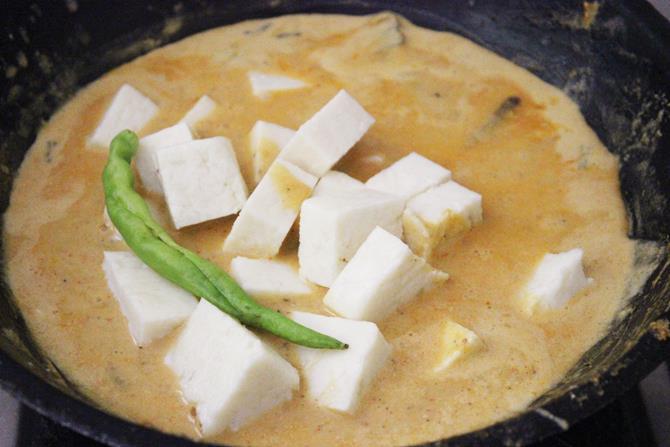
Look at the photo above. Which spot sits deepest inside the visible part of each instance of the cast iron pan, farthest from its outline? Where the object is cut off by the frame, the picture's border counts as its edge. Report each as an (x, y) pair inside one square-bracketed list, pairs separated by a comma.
[(618, 70)]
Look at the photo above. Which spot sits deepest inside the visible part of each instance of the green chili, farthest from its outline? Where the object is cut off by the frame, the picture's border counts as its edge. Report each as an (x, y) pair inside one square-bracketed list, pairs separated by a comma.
[(154, 246)]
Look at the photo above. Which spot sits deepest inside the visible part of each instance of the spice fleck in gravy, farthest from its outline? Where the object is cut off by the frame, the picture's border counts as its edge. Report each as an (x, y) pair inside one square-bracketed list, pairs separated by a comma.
[(548, 185)]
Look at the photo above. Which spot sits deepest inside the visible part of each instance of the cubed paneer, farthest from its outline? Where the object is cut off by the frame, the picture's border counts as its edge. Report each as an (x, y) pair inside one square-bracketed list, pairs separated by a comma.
[(145, 160), (458, 342), (333, 226), (268, 215), (109, 226), (266, 141), (382, 275), (339, 379), (152, 305), (129, 109), (227, 372), (335, 182), (409, 176), (266, 278), (440, 215), (200, 110), (321, 141), (557, 278), (263, 84), (201, 180)]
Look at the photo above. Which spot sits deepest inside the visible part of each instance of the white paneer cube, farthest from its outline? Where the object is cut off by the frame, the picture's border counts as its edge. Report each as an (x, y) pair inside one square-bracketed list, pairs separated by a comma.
[(109, 225), (336, 182), (129, 109), (332, 227), (200, 110), (268, 215), (145, 160), (557, 278), (227, 372), (382, 275), (152, 305), (201, 180), (339, 379), (266, 141), (440, 215), (409, 176), (265, 278), (321, 141), (263, 84), (458, 342)]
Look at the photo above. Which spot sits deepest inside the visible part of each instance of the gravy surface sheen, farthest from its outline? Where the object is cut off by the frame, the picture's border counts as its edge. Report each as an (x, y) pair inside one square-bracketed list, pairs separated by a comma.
[(548, 185)]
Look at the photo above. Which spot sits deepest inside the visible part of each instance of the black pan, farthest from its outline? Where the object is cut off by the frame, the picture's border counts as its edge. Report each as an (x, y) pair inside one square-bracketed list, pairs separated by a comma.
[(618, 70)]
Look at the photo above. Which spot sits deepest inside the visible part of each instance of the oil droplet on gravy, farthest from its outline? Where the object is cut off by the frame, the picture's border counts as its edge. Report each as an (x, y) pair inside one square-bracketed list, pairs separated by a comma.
[(431, 92)]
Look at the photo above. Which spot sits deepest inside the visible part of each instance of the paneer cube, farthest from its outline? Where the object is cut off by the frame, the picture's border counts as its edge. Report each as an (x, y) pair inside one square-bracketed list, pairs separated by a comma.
[(409, 176), (458, 342), (339, 379), (227, 372), (201, 180), (335, 182), (333, 226), (263, 85), (145, 160), (382, 275), (268, 215), (200, 110), (440, 215), (265, 278), (129, 109), (266, 141), (557, 278), (321, 141), (152, 305), (109, 226)]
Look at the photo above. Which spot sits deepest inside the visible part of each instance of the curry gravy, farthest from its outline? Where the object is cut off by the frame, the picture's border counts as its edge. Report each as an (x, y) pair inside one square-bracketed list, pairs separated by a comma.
[(548, 185)]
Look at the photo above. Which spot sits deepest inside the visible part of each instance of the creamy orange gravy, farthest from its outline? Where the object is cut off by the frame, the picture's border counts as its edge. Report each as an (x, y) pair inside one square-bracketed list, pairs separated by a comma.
[(548, 185)]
